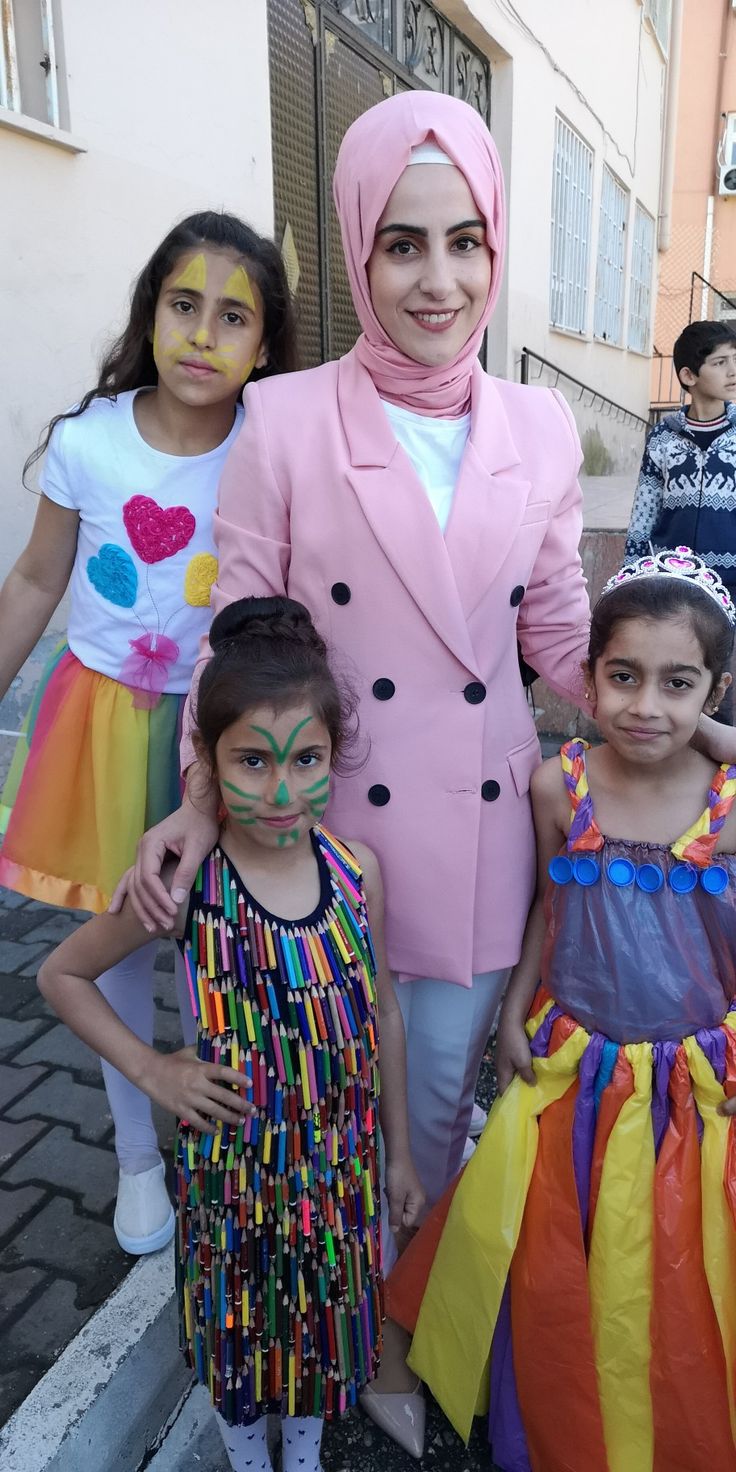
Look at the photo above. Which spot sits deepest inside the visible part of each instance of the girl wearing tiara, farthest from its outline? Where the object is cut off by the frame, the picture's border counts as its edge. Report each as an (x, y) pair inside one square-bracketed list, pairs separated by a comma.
[(279, 1238), (591, 1243)]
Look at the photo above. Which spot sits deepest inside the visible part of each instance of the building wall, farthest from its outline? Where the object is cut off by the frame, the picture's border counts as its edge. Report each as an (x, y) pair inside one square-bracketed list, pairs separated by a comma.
[(601, 67), (707, 90), (171, 104)]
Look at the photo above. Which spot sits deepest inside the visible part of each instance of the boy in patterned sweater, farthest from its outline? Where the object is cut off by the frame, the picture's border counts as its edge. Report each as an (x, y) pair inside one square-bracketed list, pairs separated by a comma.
[(686, 494)]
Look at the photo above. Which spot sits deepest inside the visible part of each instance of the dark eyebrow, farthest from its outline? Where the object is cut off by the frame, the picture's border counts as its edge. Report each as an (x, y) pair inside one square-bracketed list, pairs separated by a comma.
[(421, 230), (666, 669)]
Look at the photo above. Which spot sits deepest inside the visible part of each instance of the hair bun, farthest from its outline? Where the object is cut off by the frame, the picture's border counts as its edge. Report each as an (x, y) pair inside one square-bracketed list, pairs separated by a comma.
[(269, 619)]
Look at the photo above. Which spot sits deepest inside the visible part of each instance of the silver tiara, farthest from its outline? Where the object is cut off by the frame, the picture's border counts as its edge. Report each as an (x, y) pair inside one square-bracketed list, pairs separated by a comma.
[(683, 564)]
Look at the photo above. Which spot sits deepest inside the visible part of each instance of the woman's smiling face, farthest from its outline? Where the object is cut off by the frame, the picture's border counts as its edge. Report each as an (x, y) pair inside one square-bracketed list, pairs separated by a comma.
[(429, 272)]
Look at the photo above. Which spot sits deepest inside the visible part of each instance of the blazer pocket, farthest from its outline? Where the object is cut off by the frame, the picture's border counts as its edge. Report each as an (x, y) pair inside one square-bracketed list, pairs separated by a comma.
[(535, 512), (523, 760)]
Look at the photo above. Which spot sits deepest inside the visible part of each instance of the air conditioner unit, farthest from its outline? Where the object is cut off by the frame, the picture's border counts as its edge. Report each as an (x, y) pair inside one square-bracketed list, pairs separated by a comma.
[(727, 177)]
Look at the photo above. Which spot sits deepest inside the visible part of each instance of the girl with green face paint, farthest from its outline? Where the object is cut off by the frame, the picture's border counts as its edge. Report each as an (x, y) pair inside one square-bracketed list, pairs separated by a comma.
[(282, 938)]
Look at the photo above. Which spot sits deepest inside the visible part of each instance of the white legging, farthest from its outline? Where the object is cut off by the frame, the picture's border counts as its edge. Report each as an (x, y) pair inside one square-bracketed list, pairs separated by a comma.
[(300, 1442), (128, 987)]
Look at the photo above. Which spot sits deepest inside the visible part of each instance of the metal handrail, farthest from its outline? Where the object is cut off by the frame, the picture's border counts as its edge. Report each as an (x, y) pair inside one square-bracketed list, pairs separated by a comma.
[(696, 276), (608, 406)]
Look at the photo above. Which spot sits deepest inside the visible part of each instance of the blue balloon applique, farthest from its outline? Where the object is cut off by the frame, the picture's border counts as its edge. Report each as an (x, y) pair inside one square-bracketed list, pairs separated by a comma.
[(112, 573)]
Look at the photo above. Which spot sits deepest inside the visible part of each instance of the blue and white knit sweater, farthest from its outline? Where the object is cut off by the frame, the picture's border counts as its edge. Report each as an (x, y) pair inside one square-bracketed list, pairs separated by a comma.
[(686, 495)]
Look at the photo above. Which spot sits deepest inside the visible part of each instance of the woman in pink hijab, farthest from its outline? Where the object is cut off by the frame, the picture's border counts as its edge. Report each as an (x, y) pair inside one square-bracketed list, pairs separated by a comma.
[(429, 517)]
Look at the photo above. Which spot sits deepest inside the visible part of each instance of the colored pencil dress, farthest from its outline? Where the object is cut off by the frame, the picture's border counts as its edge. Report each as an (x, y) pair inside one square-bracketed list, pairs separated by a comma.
[(278, 1260), (590, 1245)]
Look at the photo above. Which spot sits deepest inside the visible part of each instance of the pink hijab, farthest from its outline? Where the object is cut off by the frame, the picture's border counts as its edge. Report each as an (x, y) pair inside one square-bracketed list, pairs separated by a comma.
[(373, 155)]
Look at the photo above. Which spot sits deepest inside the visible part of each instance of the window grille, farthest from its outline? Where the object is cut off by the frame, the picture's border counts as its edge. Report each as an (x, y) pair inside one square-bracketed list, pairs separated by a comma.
[(28, 63), (571, 213), (659, 14), (640, 295), (610, 270)]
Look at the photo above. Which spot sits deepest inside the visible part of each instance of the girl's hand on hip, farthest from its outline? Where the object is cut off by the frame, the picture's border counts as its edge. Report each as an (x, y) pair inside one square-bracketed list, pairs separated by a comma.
[(513, 1055), (728, 1107), (200, 1093), (406, 1198)]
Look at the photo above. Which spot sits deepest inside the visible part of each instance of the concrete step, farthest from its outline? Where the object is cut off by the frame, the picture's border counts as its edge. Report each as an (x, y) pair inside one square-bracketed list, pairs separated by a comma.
[(101, 1407)]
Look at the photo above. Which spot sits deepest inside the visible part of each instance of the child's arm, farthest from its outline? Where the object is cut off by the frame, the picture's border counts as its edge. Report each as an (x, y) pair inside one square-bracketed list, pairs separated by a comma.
[(195, 1091), (647, 504), (403, 1187), (549, 806), (35, 586)]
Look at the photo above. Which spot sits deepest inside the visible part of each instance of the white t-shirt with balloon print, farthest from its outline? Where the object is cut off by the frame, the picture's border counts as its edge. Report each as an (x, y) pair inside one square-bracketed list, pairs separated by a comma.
[(145, 561)]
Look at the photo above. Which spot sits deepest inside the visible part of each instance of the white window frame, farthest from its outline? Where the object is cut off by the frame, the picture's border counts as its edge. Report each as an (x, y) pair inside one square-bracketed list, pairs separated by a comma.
[(640, 287), (10, 85), (571, 220), (660, 13), (610, 275)]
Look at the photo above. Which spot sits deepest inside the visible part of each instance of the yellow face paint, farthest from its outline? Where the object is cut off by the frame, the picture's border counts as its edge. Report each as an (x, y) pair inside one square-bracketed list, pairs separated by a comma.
[(239, 289), (194, 275)]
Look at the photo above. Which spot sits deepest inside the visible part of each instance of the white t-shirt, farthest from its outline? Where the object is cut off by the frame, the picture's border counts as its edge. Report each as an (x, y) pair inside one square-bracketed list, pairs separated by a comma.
[(435, 448), (145, 560)]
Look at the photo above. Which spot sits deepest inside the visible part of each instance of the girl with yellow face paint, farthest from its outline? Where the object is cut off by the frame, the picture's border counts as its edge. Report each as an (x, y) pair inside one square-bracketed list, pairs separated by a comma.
[(129, 489)]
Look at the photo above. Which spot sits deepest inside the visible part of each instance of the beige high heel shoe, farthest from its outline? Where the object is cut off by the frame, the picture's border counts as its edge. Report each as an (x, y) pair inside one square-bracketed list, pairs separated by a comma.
[(401, 1415)]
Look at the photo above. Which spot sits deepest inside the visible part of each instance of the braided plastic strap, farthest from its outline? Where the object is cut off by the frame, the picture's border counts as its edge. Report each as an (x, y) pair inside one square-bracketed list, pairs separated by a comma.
[(585, 836), (697, 845)]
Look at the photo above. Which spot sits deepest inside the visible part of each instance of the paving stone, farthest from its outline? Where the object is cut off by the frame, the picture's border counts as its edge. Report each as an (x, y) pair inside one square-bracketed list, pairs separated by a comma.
[(59, 1047), (165, 957), (167, 1029), (62, 1241), (16, 993), (9, 900), (14, 1387), (15, 1205), (61, 1098), (14, 1082), (15, 1138), (14, 954), (45, 1328), (17, 1287), (60, 1160), (14, 1036), (52, 931)]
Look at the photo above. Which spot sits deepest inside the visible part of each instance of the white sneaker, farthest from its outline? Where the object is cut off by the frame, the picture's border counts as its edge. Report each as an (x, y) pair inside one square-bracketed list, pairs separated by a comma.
[(478, 1122), (144, 1218), (469, 1149)]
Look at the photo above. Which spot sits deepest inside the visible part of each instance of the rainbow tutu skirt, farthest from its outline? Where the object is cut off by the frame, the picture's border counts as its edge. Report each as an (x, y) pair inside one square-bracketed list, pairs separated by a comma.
[(581, 1275), (90, 774)]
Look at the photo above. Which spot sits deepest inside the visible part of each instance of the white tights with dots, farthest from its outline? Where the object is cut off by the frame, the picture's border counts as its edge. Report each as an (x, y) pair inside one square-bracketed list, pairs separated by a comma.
[(300, 1436)]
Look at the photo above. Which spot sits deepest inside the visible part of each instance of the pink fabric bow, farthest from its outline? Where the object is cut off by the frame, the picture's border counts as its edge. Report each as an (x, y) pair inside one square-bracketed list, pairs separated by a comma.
[(373, 154), (146, 671)]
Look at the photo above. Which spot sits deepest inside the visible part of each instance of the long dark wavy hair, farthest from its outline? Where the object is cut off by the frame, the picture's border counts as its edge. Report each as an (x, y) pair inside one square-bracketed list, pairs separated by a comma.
[(129, 364)]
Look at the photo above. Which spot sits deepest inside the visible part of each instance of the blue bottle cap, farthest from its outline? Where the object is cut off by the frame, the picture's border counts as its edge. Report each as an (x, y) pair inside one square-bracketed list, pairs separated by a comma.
[(560, 869), (683, 878), (587, 870), (649, 877), (715, 879), (621, 872)]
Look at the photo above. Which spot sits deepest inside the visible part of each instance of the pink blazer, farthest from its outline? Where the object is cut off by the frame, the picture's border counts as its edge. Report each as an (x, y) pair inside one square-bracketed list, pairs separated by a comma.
[(318, 500)]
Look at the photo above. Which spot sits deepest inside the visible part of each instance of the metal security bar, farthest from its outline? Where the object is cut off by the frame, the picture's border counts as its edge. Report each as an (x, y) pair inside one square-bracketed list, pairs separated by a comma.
[(35, 41), (571, 211), (610, 270), (640, 295)]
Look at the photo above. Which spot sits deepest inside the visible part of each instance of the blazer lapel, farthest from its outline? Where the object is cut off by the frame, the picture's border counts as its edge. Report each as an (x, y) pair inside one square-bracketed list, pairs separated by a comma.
[(399, 511), (490, 497)]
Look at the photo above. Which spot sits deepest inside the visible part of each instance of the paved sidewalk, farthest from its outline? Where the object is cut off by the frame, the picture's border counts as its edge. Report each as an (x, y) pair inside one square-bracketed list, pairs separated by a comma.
[(59, 1259)]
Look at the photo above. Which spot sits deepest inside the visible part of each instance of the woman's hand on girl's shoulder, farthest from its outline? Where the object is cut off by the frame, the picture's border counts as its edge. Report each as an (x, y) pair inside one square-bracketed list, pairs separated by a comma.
[(189, 833)]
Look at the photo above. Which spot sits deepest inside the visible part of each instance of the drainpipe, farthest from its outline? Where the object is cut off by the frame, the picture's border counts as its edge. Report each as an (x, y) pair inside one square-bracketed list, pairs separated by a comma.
[(664, 231)]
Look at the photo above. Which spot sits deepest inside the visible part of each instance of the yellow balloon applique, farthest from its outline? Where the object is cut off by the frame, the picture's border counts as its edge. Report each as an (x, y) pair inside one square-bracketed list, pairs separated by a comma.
[(199, 577)]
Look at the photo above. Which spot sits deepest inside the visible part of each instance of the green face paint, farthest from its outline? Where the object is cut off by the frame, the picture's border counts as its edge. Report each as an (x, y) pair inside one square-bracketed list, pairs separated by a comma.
[(282, 798), (290, 837), (240, 791), (317, 786), (279, 753)]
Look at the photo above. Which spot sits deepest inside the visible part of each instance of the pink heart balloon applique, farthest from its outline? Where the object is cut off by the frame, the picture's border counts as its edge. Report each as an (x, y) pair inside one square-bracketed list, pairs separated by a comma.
[(156, 533)]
